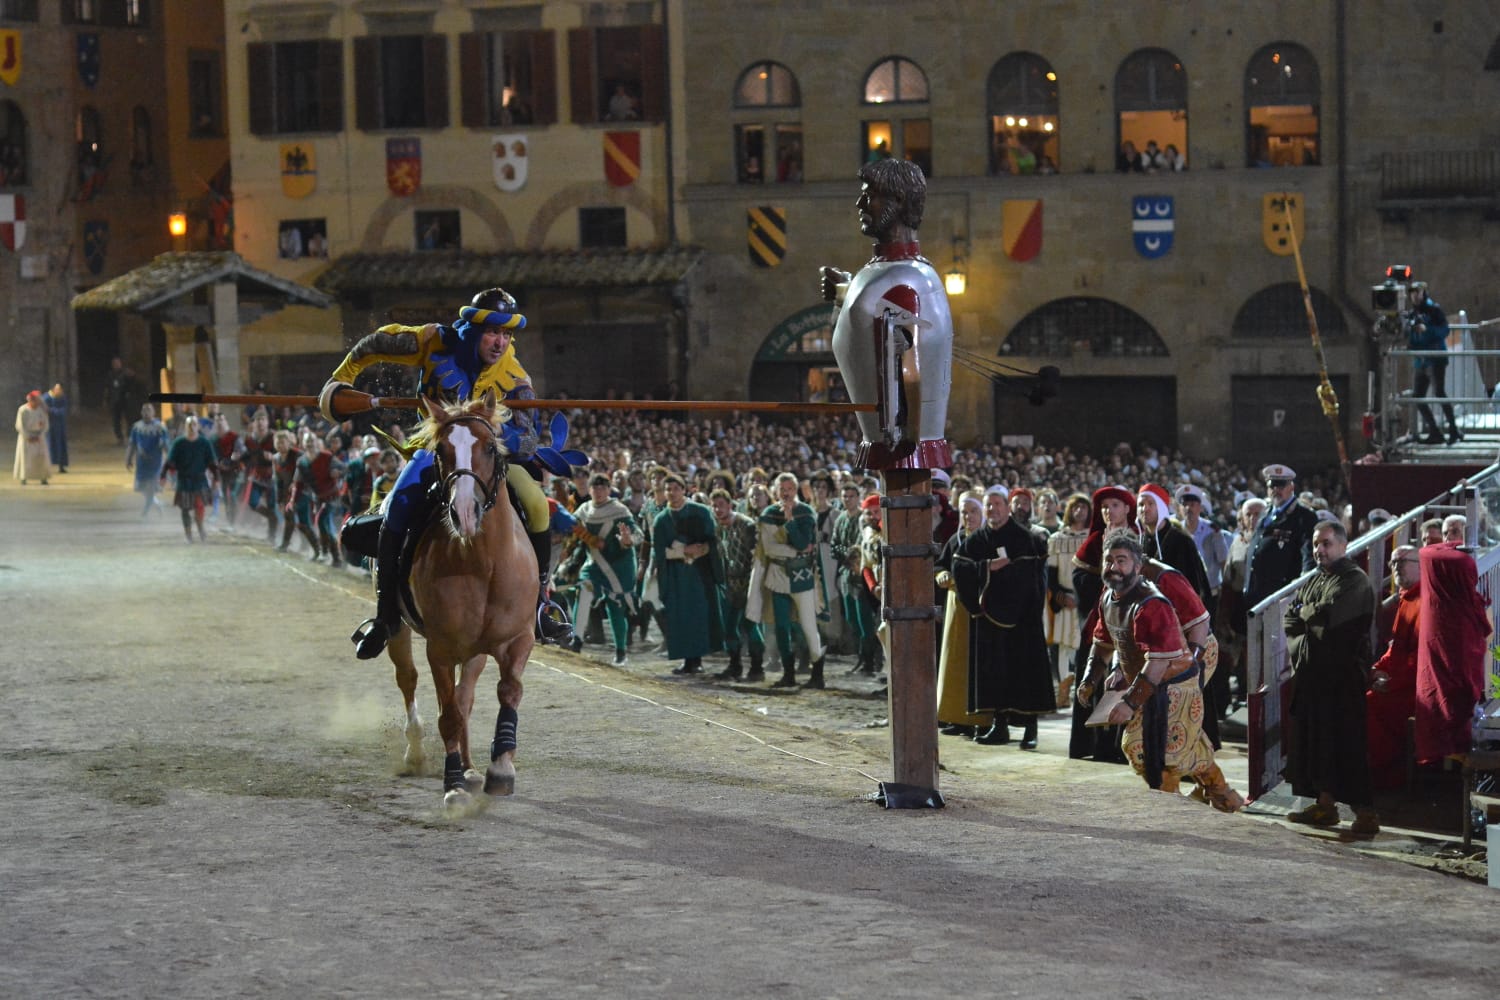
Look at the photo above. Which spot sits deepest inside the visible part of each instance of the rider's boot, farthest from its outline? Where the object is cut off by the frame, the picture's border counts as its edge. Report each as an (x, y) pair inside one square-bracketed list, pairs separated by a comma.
[(372, 635), (548, 628)]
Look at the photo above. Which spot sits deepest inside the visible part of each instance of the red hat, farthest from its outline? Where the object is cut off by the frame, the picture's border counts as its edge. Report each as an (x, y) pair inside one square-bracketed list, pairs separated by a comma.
[(1021, 491), (871, 502), (34, 394), (1162, 498)]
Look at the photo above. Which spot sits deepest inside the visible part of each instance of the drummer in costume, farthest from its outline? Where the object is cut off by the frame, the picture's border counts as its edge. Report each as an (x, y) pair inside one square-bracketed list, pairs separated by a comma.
[(458, 363)]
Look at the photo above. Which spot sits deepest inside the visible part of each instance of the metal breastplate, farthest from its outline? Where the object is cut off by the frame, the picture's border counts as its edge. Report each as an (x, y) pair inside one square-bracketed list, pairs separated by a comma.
[(1118, 613)]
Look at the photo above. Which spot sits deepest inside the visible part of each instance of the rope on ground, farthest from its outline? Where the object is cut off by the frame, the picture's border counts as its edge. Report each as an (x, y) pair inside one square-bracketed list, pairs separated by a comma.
[(711, 722)]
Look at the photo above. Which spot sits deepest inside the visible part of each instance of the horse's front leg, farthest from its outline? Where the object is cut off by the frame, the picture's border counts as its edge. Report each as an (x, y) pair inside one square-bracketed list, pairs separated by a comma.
[(468, 679), (399, 650), (451, 723), (500, 777)]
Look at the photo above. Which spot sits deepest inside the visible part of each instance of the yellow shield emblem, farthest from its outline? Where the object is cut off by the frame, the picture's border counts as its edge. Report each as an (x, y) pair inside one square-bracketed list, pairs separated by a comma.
[(10, 56), (299, 169), (1275, 228)]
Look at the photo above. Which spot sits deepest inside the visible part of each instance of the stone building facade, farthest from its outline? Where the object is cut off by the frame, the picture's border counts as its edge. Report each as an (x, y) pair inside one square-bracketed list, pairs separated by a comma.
[(98, 145)]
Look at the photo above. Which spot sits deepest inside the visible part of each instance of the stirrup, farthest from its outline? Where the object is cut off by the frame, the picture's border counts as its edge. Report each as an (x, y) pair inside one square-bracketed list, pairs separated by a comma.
[(370, 638)]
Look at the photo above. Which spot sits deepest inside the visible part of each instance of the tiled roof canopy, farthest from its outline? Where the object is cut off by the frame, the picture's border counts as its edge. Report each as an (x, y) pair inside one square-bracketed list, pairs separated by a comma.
[(173, 275), (447, 269)]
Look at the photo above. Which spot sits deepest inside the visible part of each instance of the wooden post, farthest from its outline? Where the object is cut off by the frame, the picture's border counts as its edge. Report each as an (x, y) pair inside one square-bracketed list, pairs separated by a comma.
[(908, 612)]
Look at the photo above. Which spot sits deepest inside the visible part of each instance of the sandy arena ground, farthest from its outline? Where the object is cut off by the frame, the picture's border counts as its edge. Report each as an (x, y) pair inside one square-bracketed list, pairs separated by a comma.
[(205, 798)]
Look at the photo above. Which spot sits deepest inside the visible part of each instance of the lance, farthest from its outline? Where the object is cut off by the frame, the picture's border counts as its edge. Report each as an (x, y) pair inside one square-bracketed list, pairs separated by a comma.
[(352, 402)]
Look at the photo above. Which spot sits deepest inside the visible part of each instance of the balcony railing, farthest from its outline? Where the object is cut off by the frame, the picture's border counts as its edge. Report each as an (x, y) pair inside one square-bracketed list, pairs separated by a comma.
[(1452, 175)]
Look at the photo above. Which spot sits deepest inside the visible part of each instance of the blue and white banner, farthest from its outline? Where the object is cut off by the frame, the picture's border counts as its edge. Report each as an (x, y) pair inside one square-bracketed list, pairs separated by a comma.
[(1152, 224)]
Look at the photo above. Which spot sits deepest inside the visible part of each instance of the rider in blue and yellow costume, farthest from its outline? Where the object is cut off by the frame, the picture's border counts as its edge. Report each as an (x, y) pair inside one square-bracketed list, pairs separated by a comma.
[(458, 363)]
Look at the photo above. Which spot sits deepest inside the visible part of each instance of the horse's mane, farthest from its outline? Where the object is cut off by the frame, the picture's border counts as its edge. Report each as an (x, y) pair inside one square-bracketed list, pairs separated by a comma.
[(426, 433)]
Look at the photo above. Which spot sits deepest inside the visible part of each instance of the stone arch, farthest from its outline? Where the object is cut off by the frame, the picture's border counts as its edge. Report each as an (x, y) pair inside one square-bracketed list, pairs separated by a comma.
[(437, 196), (1278, 311), (590, 195), (1081, 325)]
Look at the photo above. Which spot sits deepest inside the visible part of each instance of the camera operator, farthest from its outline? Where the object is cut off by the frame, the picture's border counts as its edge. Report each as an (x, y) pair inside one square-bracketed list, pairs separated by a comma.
[(1427, 330)]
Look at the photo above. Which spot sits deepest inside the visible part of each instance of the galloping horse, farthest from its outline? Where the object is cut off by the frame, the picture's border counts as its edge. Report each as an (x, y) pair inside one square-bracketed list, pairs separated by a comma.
[(473, 583)]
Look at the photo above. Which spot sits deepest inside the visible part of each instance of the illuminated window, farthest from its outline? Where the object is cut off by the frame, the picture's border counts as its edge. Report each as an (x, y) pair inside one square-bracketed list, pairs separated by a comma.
[(897, 81), (1023, 121), (768, 145), (1151, 105), (508, 78), (1282, 95)]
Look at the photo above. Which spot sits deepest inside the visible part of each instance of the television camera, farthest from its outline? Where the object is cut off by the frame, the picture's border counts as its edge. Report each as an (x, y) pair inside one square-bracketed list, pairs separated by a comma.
[(1389, 298)]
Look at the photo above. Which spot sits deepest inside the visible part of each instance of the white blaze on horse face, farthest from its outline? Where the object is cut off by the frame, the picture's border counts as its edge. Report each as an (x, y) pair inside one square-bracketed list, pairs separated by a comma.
[(465, 504)]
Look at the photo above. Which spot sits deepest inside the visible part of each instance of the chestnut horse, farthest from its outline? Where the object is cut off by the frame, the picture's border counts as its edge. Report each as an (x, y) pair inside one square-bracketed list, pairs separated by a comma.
[(473, 581)]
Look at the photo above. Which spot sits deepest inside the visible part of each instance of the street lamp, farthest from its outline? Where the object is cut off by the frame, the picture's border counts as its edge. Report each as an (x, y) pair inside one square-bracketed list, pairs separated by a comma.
[(956, 281), (177, 224)]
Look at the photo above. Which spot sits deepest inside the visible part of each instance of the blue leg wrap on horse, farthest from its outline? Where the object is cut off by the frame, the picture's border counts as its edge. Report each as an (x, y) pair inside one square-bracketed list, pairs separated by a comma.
[(453, 771), (505, 732)]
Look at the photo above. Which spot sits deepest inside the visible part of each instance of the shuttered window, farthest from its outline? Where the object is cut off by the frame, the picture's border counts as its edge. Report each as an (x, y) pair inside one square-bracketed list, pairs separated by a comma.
[(295, 86), (617, 74), (508, 78), (401, 81)]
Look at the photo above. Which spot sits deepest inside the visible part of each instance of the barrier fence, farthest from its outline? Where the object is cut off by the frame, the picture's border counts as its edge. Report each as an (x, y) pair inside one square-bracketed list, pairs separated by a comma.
[(1269, 674)]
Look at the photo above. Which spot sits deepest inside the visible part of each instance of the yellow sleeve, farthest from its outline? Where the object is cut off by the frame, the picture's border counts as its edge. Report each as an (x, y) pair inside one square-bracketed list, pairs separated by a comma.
[(394, 344)]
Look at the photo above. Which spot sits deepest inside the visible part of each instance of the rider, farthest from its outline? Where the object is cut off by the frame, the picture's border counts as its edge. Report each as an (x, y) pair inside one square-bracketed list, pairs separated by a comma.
[(458, 363)]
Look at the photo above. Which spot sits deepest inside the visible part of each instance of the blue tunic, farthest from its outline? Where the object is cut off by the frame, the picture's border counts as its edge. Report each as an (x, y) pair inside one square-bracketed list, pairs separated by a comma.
[(57, 428)]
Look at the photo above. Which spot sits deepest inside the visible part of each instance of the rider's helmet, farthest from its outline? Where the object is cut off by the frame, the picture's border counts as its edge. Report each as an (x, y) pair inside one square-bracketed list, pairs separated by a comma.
[(495, 300)]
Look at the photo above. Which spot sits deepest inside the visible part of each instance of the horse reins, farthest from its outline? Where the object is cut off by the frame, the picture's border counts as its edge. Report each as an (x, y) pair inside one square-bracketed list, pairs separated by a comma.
[(491, 489)]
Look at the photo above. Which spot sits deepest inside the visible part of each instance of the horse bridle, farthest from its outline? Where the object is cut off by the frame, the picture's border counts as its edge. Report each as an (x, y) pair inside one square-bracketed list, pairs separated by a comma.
[(490, 490)]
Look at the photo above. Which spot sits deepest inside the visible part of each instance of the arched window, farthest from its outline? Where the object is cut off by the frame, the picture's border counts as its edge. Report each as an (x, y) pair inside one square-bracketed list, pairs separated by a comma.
[(768, 126), (895, 80), (1281, 107), (141, 159), (1084, 325), (1278, 311), (13, 152), (1151, 104), (1022, 101), (91, 156)]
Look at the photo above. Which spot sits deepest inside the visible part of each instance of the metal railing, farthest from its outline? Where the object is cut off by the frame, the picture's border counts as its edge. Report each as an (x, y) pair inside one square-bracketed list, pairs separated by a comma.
[(1471, 373), (1267, 672), (1440, 174)]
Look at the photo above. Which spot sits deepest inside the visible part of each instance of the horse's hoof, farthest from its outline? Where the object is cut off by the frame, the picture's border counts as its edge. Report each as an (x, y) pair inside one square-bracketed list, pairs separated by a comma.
[(500, 778), (458, 801), (414, 759), (473, 780)]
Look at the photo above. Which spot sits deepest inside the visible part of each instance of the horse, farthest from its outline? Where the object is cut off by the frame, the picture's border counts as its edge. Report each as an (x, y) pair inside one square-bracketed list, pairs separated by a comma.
[(473, 587)]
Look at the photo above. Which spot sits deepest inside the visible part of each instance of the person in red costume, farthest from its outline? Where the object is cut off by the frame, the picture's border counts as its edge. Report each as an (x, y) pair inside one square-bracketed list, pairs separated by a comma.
[(1391, 699), (1450, 653), (1113, 507)]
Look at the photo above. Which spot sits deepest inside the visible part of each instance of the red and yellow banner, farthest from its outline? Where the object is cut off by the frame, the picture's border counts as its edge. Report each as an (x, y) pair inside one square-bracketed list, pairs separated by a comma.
[(1021, 228), (622, 157), (10, 56)]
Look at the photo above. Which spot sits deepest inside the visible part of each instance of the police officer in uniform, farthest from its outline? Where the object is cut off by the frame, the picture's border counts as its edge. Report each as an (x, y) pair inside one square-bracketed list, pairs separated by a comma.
[(1281, 548)]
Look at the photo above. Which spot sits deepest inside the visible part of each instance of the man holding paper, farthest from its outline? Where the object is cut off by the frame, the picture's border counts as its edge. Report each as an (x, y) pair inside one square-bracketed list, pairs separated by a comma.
[(1153, 689)]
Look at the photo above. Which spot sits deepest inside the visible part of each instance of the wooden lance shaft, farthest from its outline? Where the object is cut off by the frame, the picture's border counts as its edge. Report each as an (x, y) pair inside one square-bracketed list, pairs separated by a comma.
[(908, 612), (351, 402)]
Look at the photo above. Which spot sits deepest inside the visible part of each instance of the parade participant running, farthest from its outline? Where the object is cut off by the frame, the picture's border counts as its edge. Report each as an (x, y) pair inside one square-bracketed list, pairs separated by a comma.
[(457, 363)]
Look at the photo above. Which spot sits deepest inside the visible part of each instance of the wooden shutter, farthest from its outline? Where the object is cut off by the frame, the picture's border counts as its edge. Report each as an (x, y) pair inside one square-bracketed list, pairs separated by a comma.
[(584, 101), (473, 75), (331, 86), (653, 74), (435, 81), (543, 77), (366, 83), (258, 76)]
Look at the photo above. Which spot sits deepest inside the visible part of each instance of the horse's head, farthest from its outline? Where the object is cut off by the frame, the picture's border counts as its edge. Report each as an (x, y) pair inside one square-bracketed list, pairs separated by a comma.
[(470, 460)]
